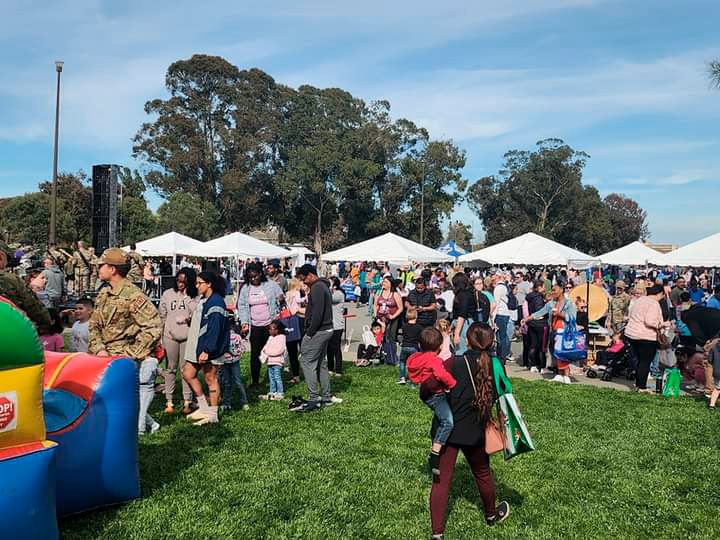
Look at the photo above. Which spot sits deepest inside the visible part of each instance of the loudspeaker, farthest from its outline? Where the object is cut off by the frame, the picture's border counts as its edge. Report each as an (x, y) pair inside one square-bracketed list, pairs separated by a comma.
[(104, 207)]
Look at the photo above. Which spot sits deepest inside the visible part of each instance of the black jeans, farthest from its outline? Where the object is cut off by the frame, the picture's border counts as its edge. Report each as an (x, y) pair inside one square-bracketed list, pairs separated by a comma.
[(258, 338), (293, 349), (334, 352), (644, 350), (536, 356)]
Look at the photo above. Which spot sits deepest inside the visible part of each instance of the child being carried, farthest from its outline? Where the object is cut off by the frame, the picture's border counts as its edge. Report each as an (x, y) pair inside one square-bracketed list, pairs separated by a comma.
[(426, 369)]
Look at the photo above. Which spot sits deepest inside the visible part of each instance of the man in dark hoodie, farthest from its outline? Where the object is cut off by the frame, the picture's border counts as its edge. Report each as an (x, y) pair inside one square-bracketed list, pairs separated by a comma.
[(318, 331), (55, 286)]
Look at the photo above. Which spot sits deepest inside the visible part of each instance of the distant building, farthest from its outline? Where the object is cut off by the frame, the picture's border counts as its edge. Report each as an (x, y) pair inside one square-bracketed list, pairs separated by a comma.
[(662, 248)]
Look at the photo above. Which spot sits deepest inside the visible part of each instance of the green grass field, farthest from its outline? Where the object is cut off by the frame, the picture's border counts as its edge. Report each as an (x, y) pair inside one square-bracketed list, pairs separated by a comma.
[(608, 464)]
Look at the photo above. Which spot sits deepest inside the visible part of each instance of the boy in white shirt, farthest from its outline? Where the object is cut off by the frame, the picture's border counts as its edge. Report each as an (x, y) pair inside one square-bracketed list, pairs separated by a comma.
[(79, 337)]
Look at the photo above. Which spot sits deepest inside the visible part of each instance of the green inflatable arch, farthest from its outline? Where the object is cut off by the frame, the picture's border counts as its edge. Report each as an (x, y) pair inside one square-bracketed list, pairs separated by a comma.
[(21, 346)]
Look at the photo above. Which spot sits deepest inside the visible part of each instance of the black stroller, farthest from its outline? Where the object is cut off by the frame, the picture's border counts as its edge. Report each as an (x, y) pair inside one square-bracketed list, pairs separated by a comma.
[(609, 365)]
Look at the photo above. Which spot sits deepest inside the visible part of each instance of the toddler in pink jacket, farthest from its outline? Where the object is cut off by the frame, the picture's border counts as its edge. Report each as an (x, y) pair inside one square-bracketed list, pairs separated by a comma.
[(273, 354)]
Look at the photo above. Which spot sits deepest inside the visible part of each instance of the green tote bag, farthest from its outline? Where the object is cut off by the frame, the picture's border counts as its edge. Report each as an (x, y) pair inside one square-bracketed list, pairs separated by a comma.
[(517, 436)]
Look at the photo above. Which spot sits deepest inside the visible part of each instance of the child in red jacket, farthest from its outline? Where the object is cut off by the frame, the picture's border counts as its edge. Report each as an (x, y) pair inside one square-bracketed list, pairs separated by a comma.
[(426, 368)]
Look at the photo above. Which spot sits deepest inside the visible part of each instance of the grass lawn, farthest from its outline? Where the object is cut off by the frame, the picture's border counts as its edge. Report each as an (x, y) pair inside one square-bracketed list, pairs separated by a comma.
[(608, 464)]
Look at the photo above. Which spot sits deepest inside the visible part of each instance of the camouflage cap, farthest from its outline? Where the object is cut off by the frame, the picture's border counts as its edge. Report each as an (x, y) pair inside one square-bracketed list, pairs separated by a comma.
[(115, 257), (620, 284)]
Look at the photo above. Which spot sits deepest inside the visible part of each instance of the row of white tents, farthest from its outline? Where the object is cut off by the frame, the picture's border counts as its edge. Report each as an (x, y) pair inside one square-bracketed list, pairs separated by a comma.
[(526, 249)]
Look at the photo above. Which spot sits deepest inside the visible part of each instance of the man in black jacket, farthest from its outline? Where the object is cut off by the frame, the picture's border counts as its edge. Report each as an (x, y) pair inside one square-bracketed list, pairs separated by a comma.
[(318, 331)]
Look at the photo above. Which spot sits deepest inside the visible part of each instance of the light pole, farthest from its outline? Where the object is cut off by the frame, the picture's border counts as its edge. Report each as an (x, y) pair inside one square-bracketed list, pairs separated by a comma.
[(422, 203), (53, 197)]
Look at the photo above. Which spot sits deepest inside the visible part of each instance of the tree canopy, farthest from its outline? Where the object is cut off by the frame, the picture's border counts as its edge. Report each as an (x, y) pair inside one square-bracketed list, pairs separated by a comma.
[(542, 191), (317, 163)]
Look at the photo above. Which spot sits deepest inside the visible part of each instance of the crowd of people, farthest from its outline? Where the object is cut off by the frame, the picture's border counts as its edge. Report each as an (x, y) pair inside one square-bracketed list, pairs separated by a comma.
[(439, 325)]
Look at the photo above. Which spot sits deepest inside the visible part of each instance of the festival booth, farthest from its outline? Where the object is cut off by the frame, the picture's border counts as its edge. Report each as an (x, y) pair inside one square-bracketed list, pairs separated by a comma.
[(389, 248), (634, 254), (244, 246), (705, 252), (171, 244), (530, 249)]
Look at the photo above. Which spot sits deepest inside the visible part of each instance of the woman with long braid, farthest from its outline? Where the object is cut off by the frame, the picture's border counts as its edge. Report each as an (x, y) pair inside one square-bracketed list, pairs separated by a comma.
[(471, 401)]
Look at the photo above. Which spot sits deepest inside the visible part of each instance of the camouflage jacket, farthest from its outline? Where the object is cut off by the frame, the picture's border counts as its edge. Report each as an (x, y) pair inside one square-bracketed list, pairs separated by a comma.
[(124, 322), (136, 267), (14, 289), (619, 305)]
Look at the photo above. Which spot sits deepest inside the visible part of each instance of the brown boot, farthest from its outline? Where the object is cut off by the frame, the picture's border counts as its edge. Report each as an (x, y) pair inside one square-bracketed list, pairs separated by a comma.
[(187, 409), (169, 408)]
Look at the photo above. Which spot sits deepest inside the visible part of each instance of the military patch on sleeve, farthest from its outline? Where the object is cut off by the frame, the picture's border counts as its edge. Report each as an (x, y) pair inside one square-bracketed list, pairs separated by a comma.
[(137, 304)]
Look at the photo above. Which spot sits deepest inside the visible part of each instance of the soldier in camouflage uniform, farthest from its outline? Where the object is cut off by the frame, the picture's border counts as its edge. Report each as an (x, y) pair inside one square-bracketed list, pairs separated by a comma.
[(82, 258), (14, 289), (136, 265), (126, 323), (95, 265), (619, 306)]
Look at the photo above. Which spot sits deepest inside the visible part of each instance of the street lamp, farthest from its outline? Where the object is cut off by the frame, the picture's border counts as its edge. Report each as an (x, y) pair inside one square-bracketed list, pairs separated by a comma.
[(53, 197)]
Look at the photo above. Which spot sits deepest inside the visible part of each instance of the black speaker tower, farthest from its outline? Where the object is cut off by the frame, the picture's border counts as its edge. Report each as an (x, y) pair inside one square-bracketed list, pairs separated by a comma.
[(104, 207)]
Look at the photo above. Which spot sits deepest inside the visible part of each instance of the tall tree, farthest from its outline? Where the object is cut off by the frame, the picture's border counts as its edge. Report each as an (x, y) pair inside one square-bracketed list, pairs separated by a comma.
[(190, 215), (542, 191), (628, 221), (460, 234), (26, 219), (74, 190), (714, 73), (136, 221)]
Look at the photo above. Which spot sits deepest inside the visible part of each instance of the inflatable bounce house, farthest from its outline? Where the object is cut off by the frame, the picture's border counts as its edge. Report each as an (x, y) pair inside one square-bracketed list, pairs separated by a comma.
[(27, 458), (68, 431), (91, 410)]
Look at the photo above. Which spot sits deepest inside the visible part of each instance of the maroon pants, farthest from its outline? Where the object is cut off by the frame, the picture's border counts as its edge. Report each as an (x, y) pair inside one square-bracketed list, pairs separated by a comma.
[(479, 463)]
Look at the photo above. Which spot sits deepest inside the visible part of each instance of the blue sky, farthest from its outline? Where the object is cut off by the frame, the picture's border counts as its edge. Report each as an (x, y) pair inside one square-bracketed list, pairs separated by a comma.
[(623, 80)]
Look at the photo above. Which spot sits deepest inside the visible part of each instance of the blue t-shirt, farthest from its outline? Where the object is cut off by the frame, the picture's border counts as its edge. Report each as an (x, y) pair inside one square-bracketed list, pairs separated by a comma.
[(697, 295), (713, 302)]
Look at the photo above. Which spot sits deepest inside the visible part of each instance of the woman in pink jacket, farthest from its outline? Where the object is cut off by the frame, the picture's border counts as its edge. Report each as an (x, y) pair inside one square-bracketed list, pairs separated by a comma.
[(644, 322), (273, 354)]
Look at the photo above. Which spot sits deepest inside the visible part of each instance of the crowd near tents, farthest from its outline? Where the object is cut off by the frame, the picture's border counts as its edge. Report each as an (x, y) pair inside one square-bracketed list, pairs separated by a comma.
[(527, 249)]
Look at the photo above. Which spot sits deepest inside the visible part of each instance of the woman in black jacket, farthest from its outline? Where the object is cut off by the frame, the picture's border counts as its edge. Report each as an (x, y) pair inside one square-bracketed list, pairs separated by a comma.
[(537, 328), (471, 411)]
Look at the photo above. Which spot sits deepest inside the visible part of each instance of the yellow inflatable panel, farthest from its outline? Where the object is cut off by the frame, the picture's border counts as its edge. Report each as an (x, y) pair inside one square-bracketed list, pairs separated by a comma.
[(21, 410)]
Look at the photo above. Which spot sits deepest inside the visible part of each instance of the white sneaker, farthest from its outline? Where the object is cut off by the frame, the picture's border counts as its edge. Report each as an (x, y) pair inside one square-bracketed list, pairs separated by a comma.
[(334, 400), (534, 370), (510, 358), (154, 427), (246, 407), (197, 415), (205, 420), (545, 371), (566, 379), (401, 380), (558, 378)]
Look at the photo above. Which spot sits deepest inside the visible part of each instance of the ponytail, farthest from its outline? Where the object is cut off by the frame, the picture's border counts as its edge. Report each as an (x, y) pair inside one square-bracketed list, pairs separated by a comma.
[(480, 338)]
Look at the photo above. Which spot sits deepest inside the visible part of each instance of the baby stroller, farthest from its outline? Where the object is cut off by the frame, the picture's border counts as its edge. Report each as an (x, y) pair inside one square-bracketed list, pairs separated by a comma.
[(608, 365), (369, 353)]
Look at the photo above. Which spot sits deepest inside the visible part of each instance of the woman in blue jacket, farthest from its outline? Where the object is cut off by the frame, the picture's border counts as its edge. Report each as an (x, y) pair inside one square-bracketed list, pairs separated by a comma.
[(257, 306), (208, 341)]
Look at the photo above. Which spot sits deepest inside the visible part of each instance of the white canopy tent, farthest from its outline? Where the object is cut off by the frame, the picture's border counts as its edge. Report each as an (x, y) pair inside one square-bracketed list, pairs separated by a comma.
[(170, 245), (242, 245), (529, 248), (705, 252), (299, 253), (634, 254), (387, 247)]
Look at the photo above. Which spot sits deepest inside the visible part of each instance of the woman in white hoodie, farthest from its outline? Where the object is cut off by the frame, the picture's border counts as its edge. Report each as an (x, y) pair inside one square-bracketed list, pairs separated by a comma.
[(176, 309)]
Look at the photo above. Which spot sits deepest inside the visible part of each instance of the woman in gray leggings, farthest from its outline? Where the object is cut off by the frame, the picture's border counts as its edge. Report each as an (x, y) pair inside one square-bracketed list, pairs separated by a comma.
[(176, 308)]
